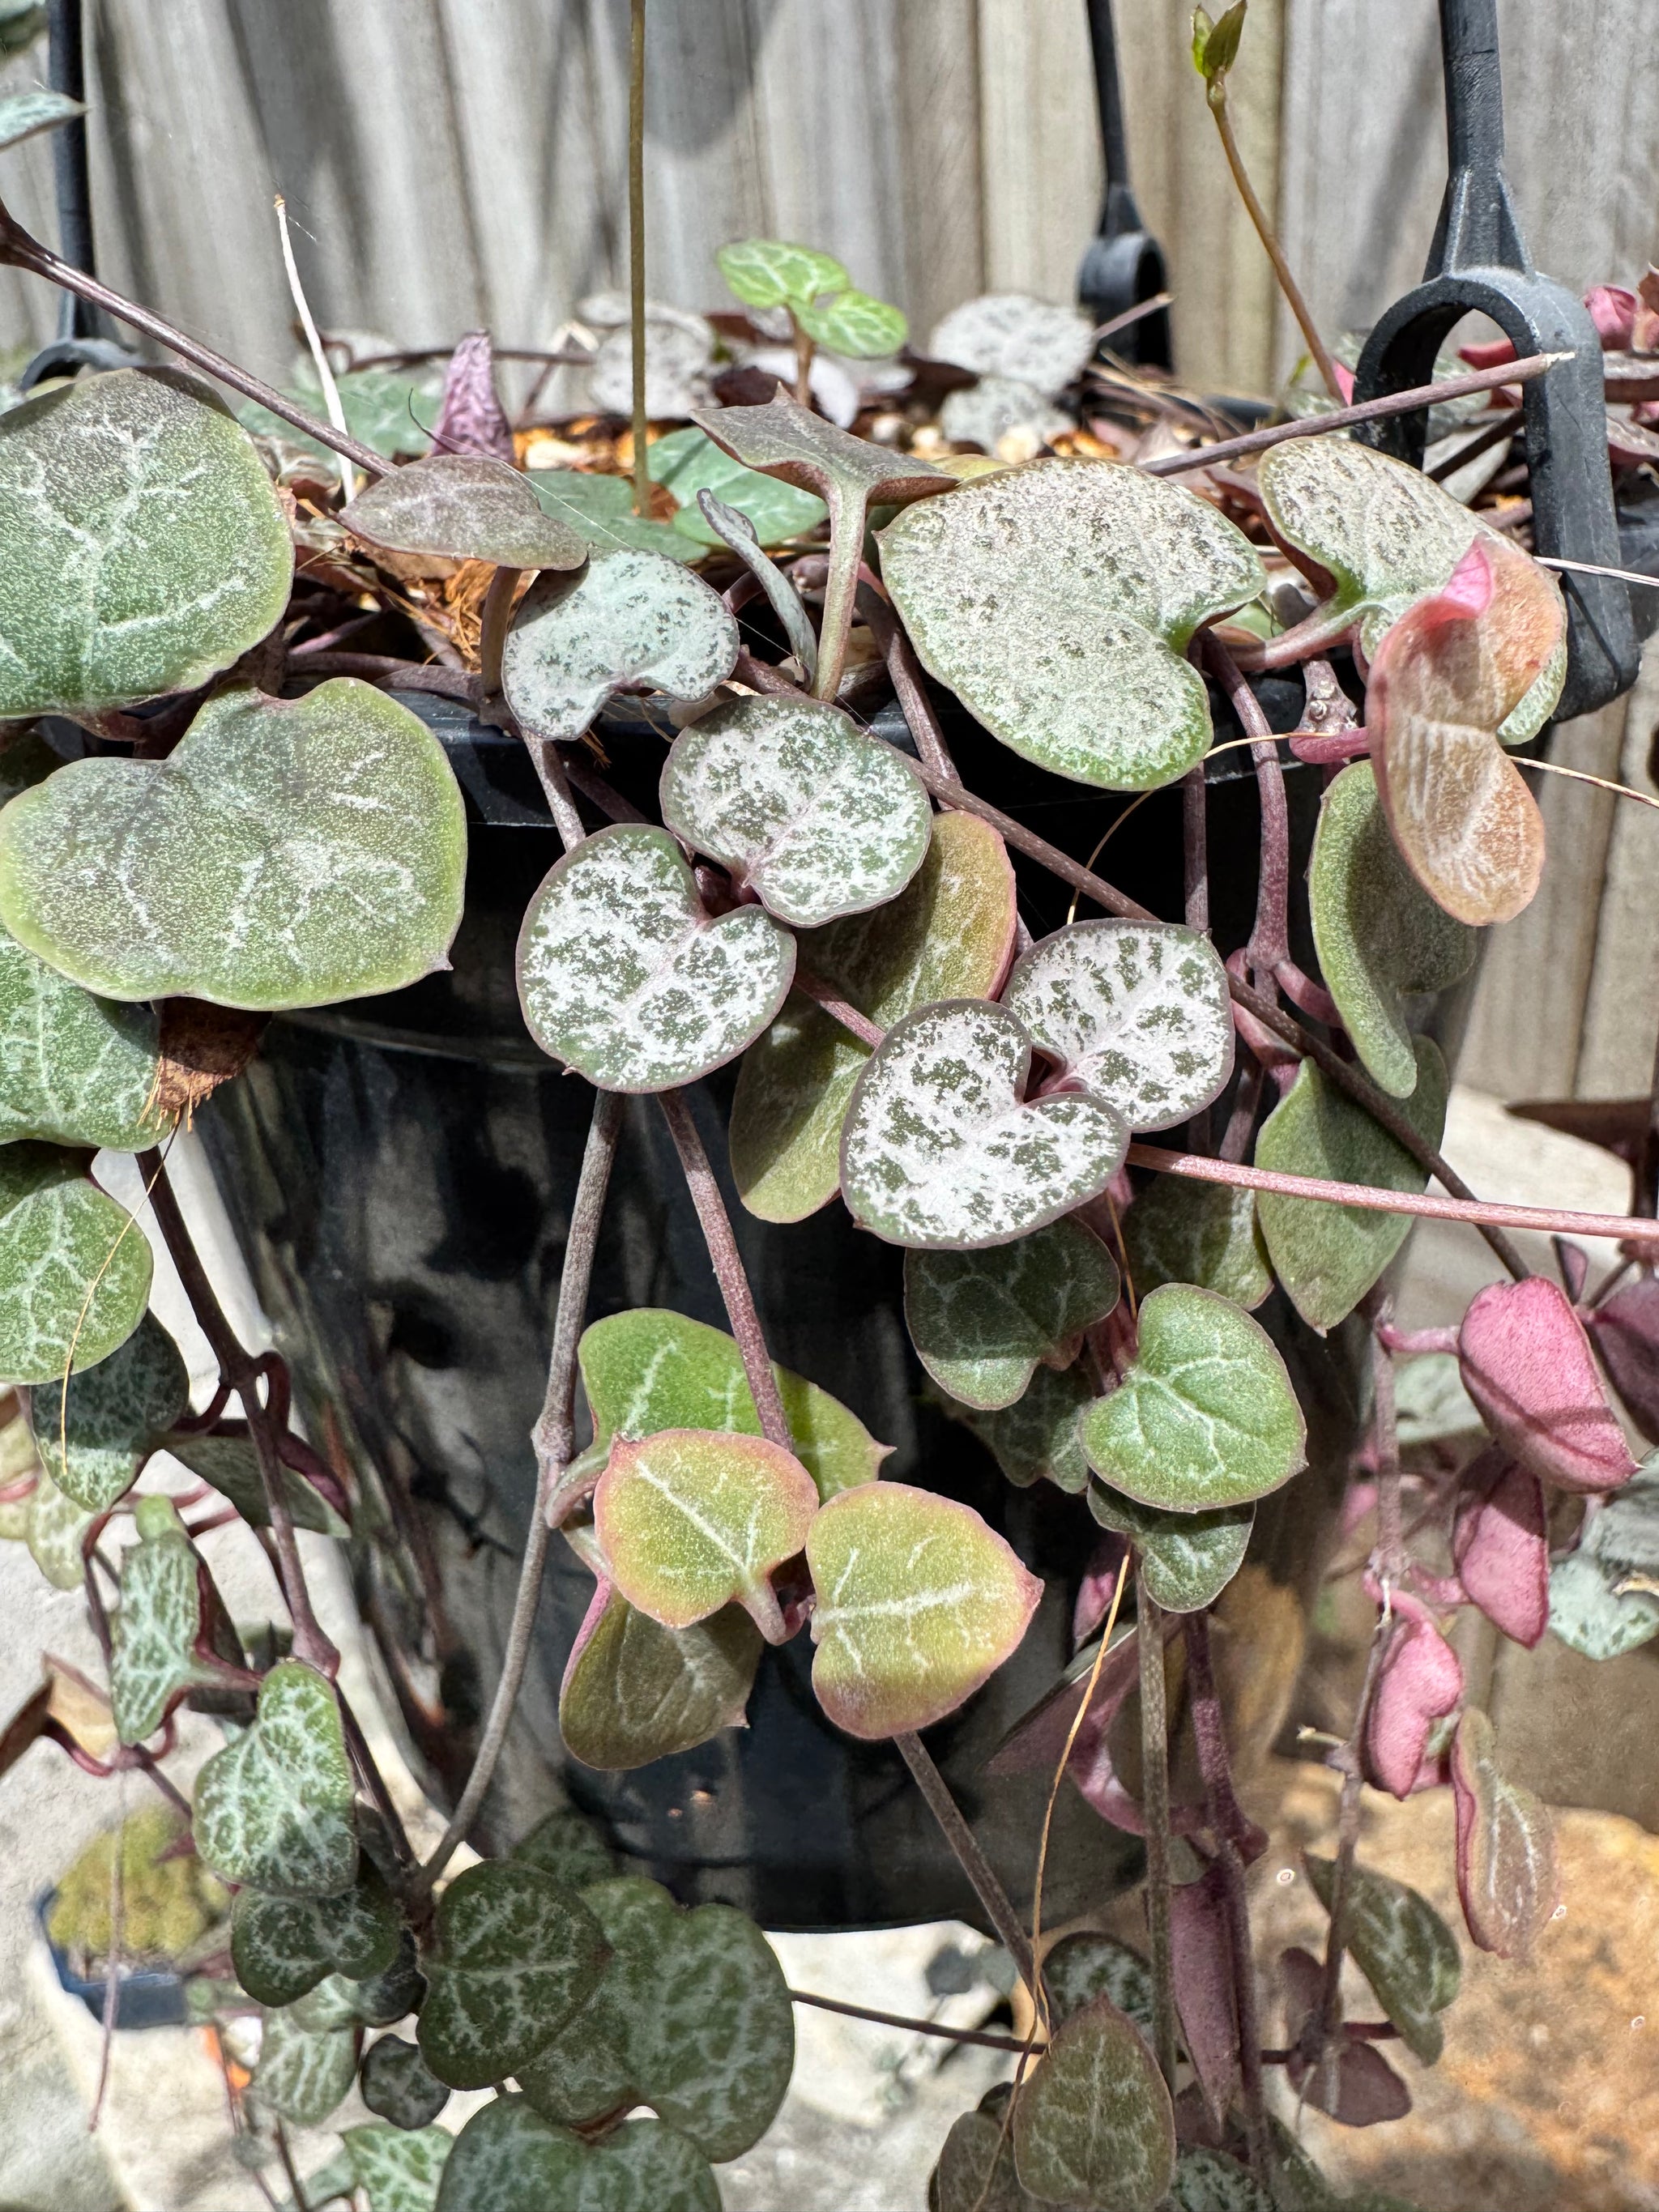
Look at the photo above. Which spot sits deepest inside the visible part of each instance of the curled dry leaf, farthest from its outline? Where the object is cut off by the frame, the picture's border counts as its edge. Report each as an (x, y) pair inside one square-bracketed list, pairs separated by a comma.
[(1093, 2124), (1500, 1545), (1419, 1683), (634, 1691), (466, 506), (980, 1322), (1527, 1364), (1506, 1869), (470, 416)]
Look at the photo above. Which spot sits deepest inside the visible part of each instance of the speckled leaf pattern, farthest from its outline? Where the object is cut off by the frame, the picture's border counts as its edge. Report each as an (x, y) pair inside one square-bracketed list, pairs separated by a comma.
[(1401, 1946), (980, 1322), (634, 1691), (1327, 1257), (568, 1846), (516, 1954), (74, 1069), (153, 1635), (75, 1273), (230, 1465), (1206, 1416), (1082, 1968), (143, 546), (805, 811), (464, 505), (1057, 601), (1010, 334), (589, 2071), (854, 325), (1038, 1436), (690, 1519), (93, 1433), (625, 976), (918, 1603), (771, 272), (1136, 1013), (687, 462), (24, 113), (629, 621), (1210, 2181), (1093, 2126), (1589, 1612), (396, 2082), (949, 934), (1186, 1559), (399, 2172), (1206, 1233), (55, 1529), (284, 1947), (939, 1150), (274, 1807), (286, 854), (975, 2169), (508, 2159), (650, 1368), (1381, 938), (1507, 1875), (306, 2066)]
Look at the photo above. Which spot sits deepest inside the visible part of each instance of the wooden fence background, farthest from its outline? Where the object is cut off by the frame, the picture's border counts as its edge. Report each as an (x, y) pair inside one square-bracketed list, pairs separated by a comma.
[(458, 162)]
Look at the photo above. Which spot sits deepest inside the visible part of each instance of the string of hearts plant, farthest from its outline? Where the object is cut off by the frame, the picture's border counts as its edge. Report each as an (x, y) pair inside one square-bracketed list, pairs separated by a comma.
[(838, 915)]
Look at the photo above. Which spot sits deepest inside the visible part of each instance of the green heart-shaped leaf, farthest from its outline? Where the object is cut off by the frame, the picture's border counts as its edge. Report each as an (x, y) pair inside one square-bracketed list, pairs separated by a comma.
[(975, 2171), (396, 2081), (284, 1947), (1038, 1436), (1327, 1257), (650, 1369), (287, 853), (74, 1069), (399, 2172), (813, 817), (1187, 1560), (1178, 1231), (1590, 1612), (1401, 1946), (918, 1604), (56, 1527), (982, 1321), (383, 409), (401, 1989), (947, 935), (600, 511), (568, 1846), (466, 506), (515, 1955), (634, 1691), (853, 323), (1057, 601), (307, 2061), (232, 1466), (74, 1272), (691, 1519), (274, 1808), (769, 272), (1381, 938), (625, 976), (1093, 2124), (508, 2159), (24, 113), (1086, 1966), (687, 462), (143, 547), (628, 621), (940, 1149), (589, 2072), (153, 1660), (95, 1434), (1206, 1416)]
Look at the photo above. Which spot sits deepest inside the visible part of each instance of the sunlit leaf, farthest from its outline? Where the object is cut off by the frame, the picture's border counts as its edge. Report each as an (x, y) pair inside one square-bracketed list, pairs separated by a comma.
[(143, 547), (1013, 335), (1401, 1946), (940, 1149), (1186, 1559), (1419, 1683), (626, 622), (1206, 1416), (1500, 1545), (1527, 1364), (853, 323), (515, 1954), (385, 409), (466, 506), (55, 1528), (274, 1808), (153, 1660), (769, 272), (284, 1947), (1081, 1967), (24, 113), (1381, 938), (396, 2171), (947, 935), (1057, 601), (1206, 1233), (634, 1691), (1506, 1870), (918, 1603), (307, 2063), (74, 1069), (94, 1435), (1093, 2125), (1038, 1436), (687, 462), (980, 1322), (74, 1272), (508, 2159), (232, 1466), (600, 510), (1626, 1331), (987, 411), (287, 853), (1326, 1256), (396, 2082), (625, 976), (848, 474)]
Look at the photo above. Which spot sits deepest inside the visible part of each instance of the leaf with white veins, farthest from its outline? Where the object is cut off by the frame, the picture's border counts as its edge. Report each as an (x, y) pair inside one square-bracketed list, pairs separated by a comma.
[(515, 1955), (74, 1069), (93, 1435), (1038, 1436), (982, 1321), (274, 1808), (1093, 2126), (75, 1272), (634, 1691), (1187, 1560)]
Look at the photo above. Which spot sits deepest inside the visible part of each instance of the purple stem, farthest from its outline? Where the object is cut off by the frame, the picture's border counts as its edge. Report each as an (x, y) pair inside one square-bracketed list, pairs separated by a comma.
[(1270, 940)]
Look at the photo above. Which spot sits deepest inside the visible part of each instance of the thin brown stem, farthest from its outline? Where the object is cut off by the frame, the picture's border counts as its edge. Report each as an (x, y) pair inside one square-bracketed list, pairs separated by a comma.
[(1270, 942), (1155, 1802), (636, 248), (905, 673), (493, 625), (804, 352), (1265, 231), (985, 2039), (840, 1009), (999, 1907), (301, 2201)]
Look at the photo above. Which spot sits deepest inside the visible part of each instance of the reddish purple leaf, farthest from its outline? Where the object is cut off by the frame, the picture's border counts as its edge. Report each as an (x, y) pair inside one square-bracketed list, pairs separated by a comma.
[(1200, 1962), (1098, 1588), (1501, 1545), (1573, 1260), (1612, 311), (470, 417), (1627, 1337), (1419, 1683), (1364, 2091), (1036, 1742), (1527, 1364), (1507, 1876)]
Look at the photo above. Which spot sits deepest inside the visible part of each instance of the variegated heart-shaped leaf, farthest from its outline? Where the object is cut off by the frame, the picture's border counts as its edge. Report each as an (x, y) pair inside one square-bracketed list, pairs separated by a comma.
[(687, 462), (274, 1808), (589, 2072), (980, 1322), (1381, 938), (1038, 1436), (634, 1691), (600, 511), (771, 272), (1507, 1875), (1401, 1946), (398, 2172), (396, 2082), (508, 2159), (1081, 1967), (307, 2061), (975, 2169), (1210, 2181), (1527, 1363), (232, 1466), (93, 1433), (1010, 334), (54, 1532), (1327, 1257), (1206, 1233), (1058, 600), (155, 1654), (515, 1955), (691, 1519), (948, 935), (1592, 1610), (1093, 2125), (1136, 1013), (143, 546), (1187, 1560), (940, 1149), (287, 853), (625, 976), (465, 506), (852, 324), (628, 622), (1206, 1416), (918, 1604), (807, 814), (849, 474), (284, 1947), (75, 1271), (570, 1846), (74, 1069)]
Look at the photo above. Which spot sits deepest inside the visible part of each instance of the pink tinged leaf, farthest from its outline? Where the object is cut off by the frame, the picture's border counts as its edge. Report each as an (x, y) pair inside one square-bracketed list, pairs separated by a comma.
[(1098, 1588), (1200, 1960), (1365, 2089), (1420, 1682), (470, 415), (1344, 382), (591, 1620), (1612, 311), (1527, 1364), (1507, 1875), (1573, 1260), (1627, 1337), (1035, 1743), (1469, 589), (1501, 1545)]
